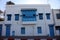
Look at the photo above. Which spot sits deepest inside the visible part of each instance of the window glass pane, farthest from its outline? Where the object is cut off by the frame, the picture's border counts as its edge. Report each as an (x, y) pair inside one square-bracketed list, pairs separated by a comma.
[(58, 16), (16, 17), (48, 15), (8, 17), (39, 30), (28, 15), (22, 30), (40, 16), (13, 33)]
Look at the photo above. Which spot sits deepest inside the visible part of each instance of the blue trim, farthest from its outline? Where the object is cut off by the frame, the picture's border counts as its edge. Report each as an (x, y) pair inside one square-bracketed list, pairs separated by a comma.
[(8, 29), (13, 33), (29, 15), (51, 28), (48, 16), (16, 17), (51, 24), (41, 16), (9, 17), (23, 30), (39, 30), (0, 29)]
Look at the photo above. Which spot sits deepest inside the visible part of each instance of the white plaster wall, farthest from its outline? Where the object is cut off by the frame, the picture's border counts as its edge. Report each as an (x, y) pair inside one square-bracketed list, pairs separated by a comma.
[(32, 28), (57, 21)]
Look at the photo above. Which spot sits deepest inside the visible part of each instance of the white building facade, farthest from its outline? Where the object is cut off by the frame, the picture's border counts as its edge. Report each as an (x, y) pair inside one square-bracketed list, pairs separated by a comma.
[(28, 22), (56, 16)]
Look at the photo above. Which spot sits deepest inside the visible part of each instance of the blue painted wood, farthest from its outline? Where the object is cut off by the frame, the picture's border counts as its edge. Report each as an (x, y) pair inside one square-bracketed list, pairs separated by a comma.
[(0, 29), (51, 30), (22, 30), (16, 17), (48, 16), (13, 33), (29, 15), (8, 29), (9, 17), (39, 30)]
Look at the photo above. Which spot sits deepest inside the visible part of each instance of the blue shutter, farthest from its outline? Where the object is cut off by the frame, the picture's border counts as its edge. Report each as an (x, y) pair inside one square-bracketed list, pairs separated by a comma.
[(8, 29), (13, 33), (48, 15), (22, 30), (29, 15), (0, 29), (9, 17), (39, 30), (16, 17), (51, 28), (40, 16)]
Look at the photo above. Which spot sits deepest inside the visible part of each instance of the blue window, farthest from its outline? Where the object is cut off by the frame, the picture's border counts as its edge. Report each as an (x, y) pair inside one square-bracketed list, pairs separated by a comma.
[(8, 29), (9, 17), (28, 15), (39, 30), (40, 16), (0, 29), (23, 30), (13, 33), (16, 17), (48, 15)]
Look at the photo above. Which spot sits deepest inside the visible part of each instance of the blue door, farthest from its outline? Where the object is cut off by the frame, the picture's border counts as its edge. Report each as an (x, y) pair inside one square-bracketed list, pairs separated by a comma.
[(0, 29), (7, 30), (51, 28)]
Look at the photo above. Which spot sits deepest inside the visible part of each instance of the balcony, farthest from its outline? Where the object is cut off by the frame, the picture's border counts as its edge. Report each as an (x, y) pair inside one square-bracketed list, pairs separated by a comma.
[(28, 16), (29, 22)]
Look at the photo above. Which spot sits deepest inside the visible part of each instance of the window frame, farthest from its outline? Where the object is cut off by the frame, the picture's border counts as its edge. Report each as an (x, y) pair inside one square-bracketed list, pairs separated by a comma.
[(39, 30), (40, 16), (8, 27), (29, 17), (16, 19), (9, 16), (58, 15), (48, 16), (1, 29), (22, 30), (13, 33)]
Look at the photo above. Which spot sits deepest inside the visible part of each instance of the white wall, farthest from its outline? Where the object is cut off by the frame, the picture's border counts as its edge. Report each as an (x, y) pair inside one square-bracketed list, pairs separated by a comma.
[(56, 21), (31, 29)]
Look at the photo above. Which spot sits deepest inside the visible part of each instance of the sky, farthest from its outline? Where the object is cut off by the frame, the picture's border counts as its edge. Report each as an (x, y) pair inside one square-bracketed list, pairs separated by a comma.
[(55, 4)]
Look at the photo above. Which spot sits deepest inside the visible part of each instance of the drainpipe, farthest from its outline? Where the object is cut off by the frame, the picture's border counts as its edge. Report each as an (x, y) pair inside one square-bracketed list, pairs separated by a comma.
[(53, 20)]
